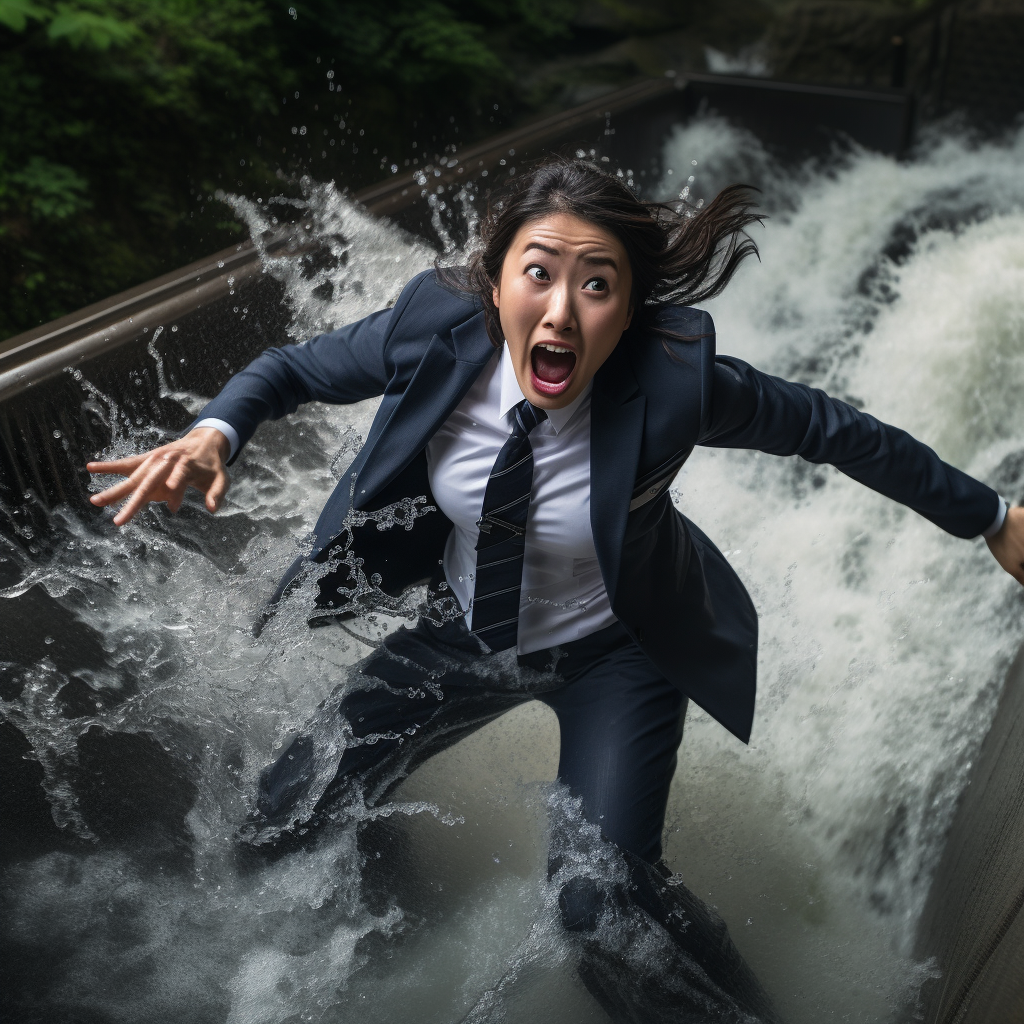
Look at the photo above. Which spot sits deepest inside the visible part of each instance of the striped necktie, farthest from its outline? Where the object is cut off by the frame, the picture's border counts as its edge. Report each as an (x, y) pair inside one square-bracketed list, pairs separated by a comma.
[(502, 541)]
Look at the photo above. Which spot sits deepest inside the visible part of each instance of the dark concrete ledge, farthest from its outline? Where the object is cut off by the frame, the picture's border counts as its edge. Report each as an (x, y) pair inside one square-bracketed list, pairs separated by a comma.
[(974, 920)]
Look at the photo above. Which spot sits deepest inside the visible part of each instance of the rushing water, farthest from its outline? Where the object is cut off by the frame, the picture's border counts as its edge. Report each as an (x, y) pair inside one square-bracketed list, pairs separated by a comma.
[(899, 286)]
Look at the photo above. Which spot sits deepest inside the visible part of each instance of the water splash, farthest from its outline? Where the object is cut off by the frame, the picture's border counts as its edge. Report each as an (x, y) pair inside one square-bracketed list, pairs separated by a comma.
[(341, 263)]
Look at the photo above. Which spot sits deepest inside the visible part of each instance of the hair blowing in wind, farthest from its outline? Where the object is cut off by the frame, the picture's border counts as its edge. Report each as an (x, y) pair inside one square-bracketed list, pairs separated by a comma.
[(679, 254)]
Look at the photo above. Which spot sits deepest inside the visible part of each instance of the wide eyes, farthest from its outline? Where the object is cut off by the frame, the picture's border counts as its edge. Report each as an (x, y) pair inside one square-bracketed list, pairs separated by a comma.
[(538, 273)]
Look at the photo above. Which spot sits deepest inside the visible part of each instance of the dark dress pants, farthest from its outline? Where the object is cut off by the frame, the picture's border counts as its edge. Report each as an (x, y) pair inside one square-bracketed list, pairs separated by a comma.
[(620, 723)]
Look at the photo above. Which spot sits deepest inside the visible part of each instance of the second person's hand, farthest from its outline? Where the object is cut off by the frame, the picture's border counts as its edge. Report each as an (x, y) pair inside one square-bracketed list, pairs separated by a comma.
[(165, 473)]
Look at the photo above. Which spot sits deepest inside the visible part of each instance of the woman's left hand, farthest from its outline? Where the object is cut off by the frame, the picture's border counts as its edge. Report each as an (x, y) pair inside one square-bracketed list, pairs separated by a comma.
[(1008, 544)]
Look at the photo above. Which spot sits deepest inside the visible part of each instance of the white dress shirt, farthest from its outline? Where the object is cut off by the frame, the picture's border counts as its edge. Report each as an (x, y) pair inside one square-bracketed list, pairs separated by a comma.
[(563, 595)]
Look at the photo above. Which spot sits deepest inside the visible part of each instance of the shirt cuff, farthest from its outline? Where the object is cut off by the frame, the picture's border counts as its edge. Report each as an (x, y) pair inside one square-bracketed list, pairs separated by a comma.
[(232, 435), (997, 523)]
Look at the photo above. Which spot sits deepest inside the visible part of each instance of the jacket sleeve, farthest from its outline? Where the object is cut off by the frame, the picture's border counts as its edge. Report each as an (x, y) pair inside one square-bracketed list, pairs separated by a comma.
[(341, 367), (750, 409)]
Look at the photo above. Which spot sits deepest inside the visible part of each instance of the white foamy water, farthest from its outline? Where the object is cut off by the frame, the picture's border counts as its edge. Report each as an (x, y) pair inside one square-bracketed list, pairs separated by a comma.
[(883, 646), (883, 640)]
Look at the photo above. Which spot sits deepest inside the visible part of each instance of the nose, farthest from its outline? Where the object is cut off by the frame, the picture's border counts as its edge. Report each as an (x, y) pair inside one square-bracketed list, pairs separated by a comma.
[(561, 311)]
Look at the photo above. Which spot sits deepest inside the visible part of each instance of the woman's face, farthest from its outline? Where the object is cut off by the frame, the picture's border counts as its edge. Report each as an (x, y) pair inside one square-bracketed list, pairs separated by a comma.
[(563, 301)]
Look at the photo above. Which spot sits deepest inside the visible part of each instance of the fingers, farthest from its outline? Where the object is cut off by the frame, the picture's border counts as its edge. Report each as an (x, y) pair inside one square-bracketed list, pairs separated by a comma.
[(144, 469), (217, 490), (115, 493), (148, 489), (120, 467), (128, 467), (124, 487), (178, 478), (164, 475)]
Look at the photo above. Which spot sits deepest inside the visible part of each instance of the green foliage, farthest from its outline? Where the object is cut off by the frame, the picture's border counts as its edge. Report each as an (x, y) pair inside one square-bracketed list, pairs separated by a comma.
[(87, 28), (113, 111), (15, 14), (49, 191), (120, 118)]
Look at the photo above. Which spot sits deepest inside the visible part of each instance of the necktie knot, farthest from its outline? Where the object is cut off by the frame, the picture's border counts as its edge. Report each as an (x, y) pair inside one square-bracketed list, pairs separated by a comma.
[(527, 417)]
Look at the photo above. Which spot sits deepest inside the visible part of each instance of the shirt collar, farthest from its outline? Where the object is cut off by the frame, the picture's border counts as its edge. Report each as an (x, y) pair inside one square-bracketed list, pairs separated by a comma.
[(512, 395)]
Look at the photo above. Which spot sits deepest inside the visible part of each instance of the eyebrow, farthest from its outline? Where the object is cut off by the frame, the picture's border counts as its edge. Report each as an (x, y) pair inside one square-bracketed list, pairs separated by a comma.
[(597, 261)]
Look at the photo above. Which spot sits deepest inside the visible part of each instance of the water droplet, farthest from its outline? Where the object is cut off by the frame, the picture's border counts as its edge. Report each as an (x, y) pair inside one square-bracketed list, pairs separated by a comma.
[(48, 640)]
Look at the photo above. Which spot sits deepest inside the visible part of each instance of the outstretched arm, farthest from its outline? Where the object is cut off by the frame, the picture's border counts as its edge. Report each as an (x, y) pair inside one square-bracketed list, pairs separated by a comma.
[(344, 366), (340, 367), (750, 409)]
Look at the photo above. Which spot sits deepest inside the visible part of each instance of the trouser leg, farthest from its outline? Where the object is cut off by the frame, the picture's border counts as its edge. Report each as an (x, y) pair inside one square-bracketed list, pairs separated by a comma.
[(422, 690), (621, 725)]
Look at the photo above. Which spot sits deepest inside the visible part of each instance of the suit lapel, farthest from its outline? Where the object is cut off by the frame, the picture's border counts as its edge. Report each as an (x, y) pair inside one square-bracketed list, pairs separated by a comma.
[(616, 432), (445, 373)]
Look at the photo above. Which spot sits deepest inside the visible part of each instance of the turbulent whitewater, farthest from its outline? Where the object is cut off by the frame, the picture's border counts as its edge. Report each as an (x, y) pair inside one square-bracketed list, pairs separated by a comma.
[(896, 286)]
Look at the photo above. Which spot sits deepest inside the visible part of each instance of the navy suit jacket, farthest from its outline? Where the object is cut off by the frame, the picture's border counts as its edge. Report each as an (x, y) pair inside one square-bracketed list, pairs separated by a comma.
[(652, 402)]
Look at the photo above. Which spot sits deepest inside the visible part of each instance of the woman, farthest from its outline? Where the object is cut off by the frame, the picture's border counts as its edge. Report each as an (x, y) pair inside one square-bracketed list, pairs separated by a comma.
[(535, 408)]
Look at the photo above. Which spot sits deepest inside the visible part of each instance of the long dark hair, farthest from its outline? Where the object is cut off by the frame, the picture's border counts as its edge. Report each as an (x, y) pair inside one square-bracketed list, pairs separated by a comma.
[(679, 254)]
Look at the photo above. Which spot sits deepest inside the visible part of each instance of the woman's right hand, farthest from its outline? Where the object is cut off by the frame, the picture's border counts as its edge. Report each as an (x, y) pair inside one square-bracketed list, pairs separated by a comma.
[(164, 474)]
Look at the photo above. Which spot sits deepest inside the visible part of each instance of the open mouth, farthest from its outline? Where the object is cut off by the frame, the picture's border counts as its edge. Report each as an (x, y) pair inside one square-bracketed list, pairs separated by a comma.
[(552, 367)]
